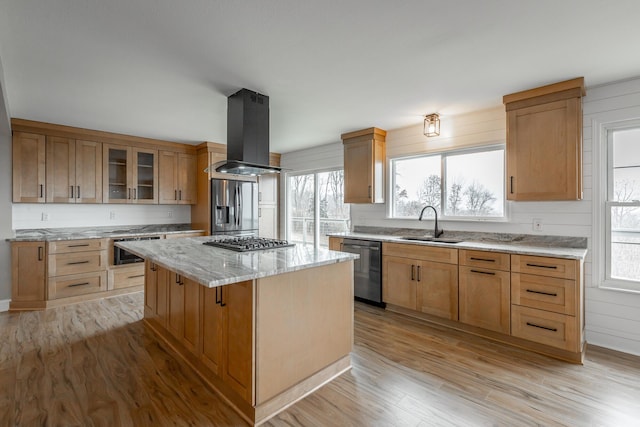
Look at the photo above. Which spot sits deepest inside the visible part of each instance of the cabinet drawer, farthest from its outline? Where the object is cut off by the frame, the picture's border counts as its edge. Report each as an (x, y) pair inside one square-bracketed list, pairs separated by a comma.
[(421, 252), (545, 293), (76, 263), (126, 277), (544, 266), (544, 327), (485, 259), (66, 246), (77, 284)]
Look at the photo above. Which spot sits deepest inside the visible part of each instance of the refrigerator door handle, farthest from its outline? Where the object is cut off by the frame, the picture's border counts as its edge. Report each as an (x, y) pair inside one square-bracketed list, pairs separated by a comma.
[(239, 206)]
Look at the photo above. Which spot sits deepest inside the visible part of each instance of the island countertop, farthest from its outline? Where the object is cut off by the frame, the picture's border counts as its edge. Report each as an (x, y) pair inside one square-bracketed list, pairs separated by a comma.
[(211, 266)]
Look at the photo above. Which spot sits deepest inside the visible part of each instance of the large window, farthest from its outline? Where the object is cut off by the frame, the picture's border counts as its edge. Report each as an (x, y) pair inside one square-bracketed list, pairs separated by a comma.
[(462, 184), (622, 208), (316, 207)]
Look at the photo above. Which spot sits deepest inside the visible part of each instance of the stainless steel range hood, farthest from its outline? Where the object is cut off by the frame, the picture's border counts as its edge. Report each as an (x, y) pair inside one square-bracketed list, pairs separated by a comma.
[(247, 135)]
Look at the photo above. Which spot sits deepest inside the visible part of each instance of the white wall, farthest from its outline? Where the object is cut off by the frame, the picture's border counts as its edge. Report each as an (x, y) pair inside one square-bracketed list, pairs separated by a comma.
[(5, 195), (29, 215), (612, 318)]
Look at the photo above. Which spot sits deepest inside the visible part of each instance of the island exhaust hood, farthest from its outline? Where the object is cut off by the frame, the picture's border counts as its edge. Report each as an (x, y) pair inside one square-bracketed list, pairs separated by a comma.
[(247, 135)]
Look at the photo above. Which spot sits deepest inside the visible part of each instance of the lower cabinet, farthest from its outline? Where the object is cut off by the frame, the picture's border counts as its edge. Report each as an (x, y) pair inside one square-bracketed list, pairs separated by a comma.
[(183, 314), (28, 275), (399, 281), (227, 312)]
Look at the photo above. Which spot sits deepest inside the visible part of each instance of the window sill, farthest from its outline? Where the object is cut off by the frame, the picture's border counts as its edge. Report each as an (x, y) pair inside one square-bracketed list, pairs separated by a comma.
[(620, 286)]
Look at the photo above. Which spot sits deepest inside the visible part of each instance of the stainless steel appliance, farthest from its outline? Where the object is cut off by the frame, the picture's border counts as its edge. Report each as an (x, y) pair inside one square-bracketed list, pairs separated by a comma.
[(245, 244), (234, 209), (367, 270), (121, 256)]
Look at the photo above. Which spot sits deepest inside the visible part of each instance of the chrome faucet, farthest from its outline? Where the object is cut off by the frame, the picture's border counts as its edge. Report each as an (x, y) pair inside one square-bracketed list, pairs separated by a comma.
[(436, 233)]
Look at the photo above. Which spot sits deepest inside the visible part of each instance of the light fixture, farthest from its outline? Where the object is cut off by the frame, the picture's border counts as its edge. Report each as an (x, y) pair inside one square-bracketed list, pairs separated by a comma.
[(432, 124)]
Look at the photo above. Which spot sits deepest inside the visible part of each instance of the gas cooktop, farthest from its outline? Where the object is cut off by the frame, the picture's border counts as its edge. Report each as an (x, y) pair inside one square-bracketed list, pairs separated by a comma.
[(245, 244)]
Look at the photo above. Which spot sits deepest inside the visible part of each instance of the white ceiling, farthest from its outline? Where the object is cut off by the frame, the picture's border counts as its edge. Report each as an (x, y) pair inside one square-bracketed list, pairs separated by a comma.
[(163, 68)]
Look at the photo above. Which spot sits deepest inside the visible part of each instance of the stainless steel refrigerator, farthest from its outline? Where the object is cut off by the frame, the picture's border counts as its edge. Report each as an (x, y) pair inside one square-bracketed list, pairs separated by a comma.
[(234, 207)]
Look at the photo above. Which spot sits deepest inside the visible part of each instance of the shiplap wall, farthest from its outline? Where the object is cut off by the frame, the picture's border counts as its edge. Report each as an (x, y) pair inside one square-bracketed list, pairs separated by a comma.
[(612, 318)]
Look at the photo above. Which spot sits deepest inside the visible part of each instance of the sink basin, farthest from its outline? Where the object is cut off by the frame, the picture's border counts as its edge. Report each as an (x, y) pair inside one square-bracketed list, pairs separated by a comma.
[(432, 239)]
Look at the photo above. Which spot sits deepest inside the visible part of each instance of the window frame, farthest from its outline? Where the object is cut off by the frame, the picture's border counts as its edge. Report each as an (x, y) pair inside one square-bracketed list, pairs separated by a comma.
[(316, 195), (443, 171)]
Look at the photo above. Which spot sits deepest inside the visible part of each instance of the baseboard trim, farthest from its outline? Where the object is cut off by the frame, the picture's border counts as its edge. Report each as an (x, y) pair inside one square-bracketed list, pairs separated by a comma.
[(4, 305)]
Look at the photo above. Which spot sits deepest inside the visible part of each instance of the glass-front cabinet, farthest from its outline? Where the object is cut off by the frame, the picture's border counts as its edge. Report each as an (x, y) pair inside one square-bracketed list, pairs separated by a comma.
[(131, 175)]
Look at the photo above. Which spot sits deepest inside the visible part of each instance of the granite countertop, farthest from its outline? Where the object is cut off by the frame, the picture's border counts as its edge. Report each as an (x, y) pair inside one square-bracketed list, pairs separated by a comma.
[(52, 234), (211, 266), (535, 245)]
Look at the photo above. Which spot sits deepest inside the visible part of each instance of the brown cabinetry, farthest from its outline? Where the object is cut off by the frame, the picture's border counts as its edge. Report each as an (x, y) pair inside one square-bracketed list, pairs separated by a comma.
[(76, 267), (364, 164), (183, 313), (421, 278), (544, 142), (28, 275), (177, 178), (74, 171), (485, 291), (28, 167), (335, 243), (130, 174)]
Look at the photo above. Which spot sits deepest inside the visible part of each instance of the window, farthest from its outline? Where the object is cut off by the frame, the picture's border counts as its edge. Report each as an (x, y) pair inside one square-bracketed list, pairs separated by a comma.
[(316, 207), (462, 184), (622, 208)]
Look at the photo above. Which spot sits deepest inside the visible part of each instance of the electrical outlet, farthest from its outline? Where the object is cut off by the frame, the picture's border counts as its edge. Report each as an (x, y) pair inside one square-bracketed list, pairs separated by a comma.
[(45, 216), (170, 214), (112, 215), (537, 224)]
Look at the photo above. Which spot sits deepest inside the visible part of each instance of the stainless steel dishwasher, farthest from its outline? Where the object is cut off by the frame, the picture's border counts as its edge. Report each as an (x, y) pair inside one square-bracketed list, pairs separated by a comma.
[(367, 270)]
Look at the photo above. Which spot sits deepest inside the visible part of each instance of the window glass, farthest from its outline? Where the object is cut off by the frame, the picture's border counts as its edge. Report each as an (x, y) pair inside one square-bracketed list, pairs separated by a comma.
[(301, 227), (416, 183), (334, 213)]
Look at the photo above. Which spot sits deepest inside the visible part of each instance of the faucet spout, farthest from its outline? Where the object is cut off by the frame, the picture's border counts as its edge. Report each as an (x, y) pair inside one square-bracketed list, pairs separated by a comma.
[(436, 233)]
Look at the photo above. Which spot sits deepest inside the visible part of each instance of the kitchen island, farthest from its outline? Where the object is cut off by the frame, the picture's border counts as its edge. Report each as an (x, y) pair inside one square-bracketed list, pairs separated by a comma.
[(264, 328)]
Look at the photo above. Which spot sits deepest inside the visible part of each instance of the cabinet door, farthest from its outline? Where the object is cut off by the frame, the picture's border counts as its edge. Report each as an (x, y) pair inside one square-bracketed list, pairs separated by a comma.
[(162, 298), (28, 167), (117, 174), (27, 271), (268, 189), (399, 281), (212, 329), (168, 176), (268, 221), (238, 362), (187, 169), (191, 338), (175, 312), (485, 298), (88, 172), (145, 176), (437, 289), (544, 151), (150, 290), (61, 170), (358, 172)]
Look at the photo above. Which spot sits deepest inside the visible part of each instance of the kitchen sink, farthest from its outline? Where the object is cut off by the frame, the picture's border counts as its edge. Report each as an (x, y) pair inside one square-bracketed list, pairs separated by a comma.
[(432, 239)]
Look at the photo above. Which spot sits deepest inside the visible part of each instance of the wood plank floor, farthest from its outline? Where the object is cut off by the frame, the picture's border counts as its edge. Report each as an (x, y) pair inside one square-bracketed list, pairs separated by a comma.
[(95, 364)]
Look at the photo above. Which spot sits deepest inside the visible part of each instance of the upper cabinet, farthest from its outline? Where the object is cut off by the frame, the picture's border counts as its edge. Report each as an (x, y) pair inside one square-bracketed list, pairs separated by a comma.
[(364, 162), (130, 174), (178, 178), (28, 167), (544, 142), (74, 171)]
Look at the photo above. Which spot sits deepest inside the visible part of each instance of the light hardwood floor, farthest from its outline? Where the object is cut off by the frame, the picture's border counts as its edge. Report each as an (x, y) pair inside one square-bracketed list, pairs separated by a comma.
[(94, 363)]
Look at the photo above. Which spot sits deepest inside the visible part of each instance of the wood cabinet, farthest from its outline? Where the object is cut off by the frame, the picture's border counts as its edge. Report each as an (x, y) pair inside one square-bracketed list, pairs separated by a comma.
[(485, 293), (227, 331), (74, 171), (335, 243), (177, 178), (28, 167), (183, 310), (364, 166), (28, 275), (268, 206), (130, 174), (76, 267), (544, 142), (547, 301), (422, 278)]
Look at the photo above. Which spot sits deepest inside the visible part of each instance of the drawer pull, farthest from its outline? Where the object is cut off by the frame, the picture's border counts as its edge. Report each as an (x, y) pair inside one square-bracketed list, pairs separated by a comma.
[(154, 267), (553, 267), (482, 259), (542, 327), (79, 284), (133, 277), (418, 273), (78, 262), (79, 246), (484, 272), (551, 294)]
